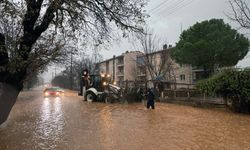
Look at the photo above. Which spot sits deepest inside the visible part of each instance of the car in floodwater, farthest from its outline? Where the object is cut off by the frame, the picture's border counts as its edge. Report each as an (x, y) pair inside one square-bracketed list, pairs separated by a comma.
[(53, 92)]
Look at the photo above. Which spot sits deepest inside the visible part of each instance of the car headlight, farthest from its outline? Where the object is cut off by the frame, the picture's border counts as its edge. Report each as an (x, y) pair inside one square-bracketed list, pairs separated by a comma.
[(46, 93)]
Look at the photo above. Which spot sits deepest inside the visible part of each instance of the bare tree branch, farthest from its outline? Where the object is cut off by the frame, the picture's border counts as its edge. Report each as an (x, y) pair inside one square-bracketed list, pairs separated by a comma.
[(241, 12), (157, 61)]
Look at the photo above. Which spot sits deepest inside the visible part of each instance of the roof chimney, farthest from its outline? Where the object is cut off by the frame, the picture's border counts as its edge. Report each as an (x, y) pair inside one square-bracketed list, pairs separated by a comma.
[(165, 46)]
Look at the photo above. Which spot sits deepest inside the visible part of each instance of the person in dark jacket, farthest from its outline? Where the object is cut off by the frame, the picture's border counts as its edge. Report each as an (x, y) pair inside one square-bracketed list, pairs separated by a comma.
[(151, 99), (139, 95)]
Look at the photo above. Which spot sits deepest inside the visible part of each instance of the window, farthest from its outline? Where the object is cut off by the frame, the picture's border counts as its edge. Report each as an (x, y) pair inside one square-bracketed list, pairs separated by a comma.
[(141, 70), (120, 70), (120, 60), (107, 67), (182, 76), (140, 60)]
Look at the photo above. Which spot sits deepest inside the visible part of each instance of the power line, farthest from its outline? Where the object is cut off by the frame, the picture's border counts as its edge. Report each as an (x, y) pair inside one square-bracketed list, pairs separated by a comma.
[(178, 5), (159, 5), (172, 4)]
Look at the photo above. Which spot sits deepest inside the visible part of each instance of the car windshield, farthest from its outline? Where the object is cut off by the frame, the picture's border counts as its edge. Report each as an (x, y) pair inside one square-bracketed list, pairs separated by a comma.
[(52, 89)]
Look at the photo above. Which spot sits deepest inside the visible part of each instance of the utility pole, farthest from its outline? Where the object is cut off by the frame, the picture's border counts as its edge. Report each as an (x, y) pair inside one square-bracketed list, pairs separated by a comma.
[(71, 78), (55, 71), (181, 27), (114, 68), (52, 74)]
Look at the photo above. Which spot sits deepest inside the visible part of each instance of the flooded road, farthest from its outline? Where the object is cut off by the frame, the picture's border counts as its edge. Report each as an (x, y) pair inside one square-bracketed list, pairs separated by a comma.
[(71, 124)]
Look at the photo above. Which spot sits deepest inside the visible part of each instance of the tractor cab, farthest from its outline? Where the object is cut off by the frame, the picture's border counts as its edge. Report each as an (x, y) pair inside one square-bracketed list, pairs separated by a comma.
[(99, 81)]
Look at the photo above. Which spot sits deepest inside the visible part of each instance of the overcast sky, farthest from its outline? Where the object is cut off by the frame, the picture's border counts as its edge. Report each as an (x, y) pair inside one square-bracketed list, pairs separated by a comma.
[(168, 17)]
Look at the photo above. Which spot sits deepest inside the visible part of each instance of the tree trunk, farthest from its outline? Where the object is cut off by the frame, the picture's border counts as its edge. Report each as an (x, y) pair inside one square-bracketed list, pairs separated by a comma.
[(8, 96)]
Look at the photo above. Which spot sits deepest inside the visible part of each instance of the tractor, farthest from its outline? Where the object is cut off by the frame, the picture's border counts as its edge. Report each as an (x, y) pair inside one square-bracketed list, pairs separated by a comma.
[(98, 87)]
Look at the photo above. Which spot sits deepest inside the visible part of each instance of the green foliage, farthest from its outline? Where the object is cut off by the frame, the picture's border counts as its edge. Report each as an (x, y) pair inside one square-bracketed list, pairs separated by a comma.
[(211, 44), (232, 84)]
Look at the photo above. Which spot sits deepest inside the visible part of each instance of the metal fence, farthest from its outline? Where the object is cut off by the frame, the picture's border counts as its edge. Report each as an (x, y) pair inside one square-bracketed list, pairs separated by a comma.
[(172, 92), (151, 83)]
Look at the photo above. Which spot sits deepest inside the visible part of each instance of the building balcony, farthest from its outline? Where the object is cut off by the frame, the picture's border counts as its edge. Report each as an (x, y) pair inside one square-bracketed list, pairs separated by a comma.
[(120, 74), (197, 69), (120, 65), (141, 75)]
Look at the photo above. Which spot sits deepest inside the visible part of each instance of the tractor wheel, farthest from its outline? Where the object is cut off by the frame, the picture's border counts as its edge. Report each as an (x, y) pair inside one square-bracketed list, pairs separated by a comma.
[(108, 99), (90, 96)]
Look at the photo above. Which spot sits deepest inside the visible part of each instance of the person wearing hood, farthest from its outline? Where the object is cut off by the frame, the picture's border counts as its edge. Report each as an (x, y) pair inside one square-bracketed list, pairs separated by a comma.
[(150, 99)]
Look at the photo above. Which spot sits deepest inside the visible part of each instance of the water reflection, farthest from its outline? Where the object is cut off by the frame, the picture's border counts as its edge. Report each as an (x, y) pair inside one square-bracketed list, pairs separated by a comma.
[(51, 123), (107, 128), (70, 123)]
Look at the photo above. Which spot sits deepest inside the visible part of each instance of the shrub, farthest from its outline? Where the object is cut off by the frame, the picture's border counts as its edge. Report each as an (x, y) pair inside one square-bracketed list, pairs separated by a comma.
[(231, 84)]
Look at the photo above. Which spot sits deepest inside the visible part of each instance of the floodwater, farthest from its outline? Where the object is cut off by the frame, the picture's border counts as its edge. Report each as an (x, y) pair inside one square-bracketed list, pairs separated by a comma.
[(71, 124)]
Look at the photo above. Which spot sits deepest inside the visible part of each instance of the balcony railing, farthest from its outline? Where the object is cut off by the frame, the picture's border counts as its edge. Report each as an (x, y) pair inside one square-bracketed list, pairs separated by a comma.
[(120, 64), (141, 75), (120, 74)]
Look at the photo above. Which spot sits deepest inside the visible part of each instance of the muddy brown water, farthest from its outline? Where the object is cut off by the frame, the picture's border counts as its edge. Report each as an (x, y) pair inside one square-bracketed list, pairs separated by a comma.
[(71, 124)]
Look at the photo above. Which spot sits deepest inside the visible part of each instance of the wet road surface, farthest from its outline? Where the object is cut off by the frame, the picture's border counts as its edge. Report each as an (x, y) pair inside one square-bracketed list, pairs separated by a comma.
[(71, 124)]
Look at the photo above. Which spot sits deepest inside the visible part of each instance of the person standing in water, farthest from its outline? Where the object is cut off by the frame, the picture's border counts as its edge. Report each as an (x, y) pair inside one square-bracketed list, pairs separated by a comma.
[(150, 99)]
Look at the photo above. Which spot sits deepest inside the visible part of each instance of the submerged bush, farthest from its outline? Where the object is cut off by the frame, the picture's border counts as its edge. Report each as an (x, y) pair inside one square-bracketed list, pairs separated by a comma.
[(231, 84)]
